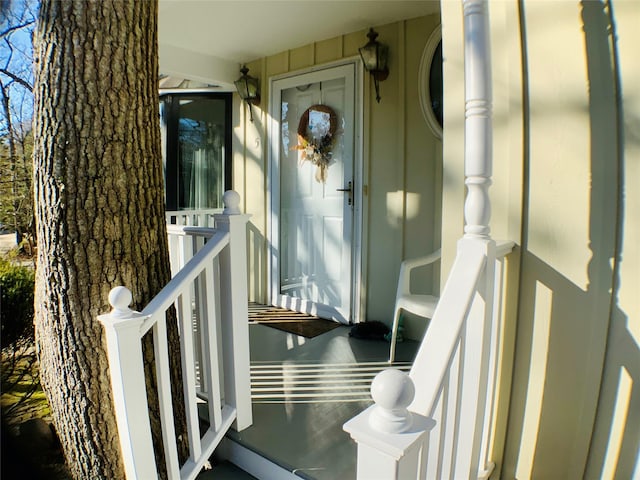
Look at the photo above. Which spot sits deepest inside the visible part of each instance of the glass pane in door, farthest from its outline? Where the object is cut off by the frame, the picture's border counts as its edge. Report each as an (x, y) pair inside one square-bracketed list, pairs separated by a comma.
[(314, 236)]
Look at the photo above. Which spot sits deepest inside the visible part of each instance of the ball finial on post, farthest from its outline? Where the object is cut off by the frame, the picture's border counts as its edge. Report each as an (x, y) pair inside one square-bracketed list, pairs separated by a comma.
[(393, 392), (120, 298), (231, 201)]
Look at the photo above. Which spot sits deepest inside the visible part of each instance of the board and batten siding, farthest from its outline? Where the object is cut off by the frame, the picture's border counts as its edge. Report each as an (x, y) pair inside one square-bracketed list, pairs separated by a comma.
[(402, 161), (566, 170)]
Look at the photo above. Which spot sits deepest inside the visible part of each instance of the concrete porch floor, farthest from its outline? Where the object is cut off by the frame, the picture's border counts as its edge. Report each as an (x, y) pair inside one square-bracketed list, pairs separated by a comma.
[(304, 390)]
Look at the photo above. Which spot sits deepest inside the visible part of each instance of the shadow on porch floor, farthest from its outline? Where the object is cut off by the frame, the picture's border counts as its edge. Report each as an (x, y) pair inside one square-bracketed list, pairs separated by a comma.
[(304, 390)]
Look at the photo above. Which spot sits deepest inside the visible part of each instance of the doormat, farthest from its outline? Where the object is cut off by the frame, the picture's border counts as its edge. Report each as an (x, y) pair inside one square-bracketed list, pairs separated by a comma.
[(302, 324)]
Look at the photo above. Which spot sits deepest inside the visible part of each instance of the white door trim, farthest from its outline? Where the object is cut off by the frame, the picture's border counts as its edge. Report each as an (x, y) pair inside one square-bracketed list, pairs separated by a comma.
[(359, 197)]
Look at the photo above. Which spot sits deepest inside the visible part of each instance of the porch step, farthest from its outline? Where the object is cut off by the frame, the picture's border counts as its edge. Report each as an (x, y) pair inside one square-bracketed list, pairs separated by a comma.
[(225, 471), (247, 460)]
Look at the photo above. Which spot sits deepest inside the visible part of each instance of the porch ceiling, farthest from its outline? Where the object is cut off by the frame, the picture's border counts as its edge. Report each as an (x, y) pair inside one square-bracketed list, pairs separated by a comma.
[(207, 40)]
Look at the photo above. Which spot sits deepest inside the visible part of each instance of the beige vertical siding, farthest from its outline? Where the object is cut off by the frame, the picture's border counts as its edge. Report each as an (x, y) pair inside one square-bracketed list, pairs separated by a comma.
[(565, 187), (402, 160)]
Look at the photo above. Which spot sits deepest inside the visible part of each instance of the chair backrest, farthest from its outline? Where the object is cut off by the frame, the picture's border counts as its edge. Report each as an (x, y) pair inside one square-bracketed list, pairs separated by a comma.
[(404, 280)]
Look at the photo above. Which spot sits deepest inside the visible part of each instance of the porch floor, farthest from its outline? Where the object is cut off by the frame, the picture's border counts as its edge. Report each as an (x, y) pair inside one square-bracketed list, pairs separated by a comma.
[(304, 390)]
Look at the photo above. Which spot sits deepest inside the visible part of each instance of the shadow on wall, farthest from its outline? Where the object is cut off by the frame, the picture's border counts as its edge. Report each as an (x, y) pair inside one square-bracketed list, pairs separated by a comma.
[(557, 351), (575, 409), (616, 436)]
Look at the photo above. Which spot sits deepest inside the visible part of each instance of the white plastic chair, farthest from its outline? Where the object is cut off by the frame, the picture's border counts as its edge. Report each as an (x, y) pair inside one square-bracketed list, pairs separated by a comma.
[(421, 305)]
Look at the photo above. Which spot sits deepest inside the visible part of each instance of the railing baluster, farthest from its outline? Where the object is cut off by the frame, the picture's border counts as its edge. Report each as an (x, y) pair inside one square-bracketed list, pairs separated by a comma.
[(218, 326), (201, 218), (188, 373), (450, 424), (211, 352), (161, 352), (433, 457), (198, 316), (486, 465), (187, 250), (174, 256), (201, 302)]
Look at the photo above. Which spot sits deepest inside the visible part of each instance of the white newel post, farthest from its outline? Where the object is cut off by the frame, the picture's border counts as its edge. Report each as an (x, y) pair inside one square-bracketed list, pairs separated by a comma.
[(475, 417), (234, 310), (391, 440), (124, 350), (478, 126)]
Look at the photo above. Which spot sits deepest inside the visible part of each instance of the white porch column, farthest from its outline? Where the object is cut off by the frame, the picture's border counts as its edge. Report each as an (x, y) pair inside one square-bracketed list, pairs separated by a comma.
[(479, 362), (391, 440), (124, 350), (234, 310), (478, 127)]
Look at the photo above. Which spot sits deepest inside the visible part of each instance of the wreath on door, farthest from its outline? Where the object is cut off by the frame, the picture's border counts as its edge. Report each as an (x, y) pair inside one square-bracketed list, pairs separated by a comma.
[(315, 141)]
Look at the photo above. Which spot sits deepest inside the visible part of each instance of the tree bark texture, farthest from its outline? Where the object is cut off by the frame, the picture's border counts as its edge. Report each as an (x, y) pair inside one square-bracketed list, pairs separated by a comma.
[(98, 184)]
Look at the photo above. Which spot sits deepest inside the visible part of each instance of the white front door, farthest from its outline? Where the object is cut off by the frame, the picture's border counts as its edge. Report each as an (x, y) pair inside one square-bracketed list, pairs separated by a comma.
[(312, 208)]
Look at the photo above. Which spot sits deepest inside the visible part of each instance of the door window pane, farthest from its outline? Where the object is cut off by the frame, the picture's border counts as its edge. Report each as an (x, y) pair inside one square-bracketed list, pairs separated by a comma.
[(312, 243)]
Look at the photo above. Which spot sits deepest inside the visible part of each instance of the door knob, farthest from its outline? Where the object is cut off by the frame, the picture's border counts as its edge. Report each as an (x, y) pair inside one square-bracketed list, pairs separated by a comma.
[(348, 189)]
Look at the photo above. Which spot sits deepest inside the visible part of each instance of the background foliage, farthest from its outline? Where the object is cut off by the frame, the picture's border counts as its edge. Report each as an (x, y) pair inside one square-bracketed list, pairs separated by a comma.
[(17, 22), (16, 302)]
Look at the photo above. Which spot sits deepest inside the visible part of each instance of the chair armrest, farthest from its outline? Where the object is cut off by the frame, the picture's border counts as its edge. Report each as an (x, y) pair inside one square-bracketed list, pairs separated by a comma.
[(421, 261), (405, 271)]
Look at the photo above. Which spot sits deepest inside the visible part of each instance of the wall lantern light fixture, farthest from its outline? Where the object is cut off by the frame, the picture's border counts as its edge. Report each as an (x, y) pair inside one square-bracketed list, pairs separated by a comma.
[(374, 56), (249, 89)]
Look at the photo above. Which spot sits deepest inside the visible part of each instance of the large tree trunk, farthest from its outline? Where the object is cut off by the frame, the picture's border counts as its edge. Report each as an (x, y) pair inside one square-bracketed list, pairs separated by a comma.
[(99, 204)]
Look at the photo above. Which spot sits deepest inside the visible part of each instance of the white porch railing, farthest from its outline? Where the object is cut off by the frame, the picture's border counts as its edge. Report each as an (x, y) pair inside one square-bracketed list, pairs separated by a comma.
[(445, 432), (217, 272), (184, 243), (446, 429), (193, 218)]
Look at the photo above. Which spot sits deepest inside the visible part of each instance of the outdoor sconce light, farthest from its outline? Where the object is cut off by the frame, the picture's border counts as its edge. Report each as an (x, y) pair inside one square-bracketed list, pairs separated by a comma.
[(374, 56), (248, 89)]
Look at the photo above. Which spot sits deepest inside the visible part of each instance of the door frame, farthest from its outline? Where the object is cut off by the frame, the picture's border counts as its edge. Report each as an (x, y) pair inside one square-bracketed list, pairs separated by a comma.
[(360, 186)]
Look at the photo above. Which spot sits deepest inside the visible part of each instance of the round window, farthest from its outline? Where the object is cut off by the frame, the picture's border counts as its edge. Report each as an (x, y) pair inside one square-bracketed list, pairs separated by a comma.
[(430, 82)]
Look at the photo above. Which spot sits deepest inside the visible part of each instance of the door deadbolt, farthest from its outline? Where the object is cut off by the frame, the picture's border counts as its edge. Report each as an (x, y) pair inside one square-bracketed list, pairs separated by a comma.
[(348, 189)]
